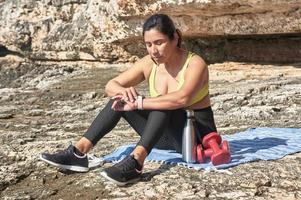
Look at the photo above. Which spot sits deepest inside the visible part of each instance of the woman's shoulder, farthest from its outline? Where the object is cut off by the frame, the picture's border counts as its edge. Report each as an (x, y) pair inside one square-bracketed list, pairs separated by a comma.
[(196, 59), (146, 61)]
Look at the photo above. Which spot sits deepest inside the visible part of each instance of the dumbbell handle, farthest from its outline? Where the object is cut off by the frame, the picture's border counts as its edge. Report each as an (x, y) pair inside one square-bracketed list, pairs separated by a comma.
[(202, 154), (214, 146), (209, 152)]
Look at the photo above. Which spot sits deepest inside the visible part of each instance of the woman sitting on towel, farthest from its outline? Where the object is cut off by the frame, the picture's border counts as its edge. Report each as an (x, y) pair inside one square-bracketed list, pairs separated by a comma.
[(178, 80)]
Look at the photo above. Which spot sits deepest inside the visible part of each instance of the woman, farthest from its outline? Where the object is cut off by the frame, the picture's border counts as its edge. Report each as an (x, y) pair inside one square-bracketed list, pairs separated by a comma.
[(178, 80)]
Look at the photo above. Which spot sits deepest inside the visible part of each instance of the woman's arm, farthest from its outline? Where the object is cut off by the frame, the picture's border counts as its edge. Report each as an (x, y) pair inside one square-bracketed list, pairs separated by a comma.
[(196, 77), (124, 83)]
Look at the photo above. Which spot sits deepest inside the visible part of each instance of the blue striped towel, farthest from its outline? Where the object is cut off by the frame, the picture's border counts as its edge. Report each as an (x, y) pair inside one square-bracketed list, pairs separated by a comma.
[(250, 145)]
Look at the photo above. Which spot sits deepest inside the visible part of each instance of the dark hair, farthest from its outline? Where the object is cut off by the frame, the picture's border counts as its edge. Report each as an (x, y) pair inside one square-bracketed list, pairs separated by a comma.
[(164, 24)]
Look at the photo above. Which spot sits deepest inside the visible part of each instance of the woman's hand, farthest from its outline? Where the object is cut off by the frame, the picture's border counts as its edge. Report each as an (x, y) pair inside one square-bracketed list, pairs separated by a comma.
[(125, 100), (129, 94), (120, 104)]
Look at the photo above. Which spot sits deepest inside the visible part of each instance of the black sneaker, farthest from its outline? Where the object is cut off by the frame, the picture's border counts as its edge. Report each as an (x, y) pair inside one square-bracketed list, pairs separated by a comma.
[(124, 172), (67, 159)]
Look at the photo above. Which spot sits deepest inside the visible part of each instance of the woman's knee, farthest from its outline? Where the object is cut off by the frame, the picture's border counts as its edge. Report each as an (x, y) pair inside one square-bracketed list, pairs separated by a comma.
[(108, 107), (161, 113)]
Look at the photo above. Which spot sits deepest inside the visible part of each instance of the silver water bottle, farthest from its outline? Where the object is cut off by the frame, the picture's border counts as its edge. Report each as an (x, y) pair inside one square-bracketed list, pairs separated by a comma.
[(189, 143)]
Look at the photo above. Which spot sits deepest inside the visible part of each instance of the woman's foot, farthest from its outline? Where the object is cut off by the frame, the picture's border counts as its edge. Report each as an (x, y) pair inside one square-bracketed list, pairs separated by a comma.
[(67, 159), (124, 172)]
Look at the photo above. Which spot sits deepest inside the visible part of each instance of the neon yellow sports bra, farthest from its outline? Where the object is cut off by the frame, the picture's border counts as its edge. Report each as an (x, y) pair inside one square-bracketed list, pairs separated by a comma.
[(198, 97)]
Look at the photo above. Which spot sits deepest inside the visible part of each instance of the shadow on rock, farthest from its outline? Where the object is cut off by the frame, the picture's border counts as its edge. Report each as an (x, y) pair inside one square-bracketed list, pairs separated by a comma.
[(146, 177)]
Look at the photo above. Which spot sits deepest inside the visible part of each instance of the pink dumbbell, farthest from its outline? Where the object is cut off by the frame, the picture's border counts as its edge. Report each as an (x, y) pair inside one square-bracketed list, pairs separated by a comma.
[(218, 154)]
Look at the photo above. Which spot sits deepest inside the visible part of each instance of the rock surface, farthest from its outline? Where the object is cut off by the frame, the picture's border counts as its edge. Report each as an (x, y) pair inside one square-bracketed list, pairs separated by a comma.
[(45, 105), (110, 30)]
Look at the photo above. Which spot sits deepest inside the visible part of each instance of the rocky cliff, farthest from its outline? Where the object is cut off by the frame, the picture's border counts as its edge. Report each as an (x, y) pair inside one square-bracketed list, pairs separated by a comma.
[(110, 30)]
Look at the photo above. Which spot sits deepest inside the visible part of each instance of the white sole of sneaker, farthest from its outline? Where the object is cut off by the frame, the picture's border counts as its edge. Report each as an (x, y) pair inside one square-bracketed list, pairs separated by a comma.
[(95, 161), (69, 167), (104, 174)]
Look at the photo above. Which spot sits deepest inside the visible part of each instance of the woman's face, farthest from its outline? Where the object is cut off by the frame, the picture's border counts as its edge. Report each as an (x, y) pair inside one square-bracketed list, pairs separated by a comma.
[(158, 45)]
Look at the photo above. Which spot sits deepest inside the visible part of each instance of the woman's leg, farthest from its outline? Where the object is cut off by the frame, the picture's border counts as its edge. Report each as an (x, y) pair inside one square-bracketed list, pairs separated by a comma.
[(205, 123), (167, 124), (172, 136), (174, 131), (150, 125), (105, 121), (74, 157)]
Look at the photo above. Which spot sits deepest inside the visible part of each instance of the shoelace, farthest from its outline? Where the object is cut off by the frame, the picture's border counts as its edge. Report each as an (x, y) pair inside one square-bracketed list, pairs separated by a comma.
[(126, 164), (65, 151)]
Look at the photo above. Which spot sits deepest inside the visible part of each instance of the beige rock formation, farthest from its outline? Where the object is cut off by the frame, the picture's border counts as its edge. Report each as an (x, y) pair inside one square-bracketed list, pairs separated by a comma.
[(110, 30)]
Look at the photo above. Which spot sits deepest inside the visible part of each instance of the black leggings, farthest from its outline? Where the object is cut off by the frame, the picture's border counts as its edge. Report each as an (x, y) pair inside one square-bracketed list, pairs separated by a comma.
[(157, 128)]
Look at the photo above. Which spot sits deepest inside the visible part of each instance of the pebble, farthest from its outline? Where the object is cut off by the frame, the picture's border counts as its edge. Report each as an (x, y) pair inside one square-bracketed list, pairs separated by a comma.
[(150, 193), (117, 193), (6, 115), (89, 108), (90, 95), (32, 100), (35, 112)]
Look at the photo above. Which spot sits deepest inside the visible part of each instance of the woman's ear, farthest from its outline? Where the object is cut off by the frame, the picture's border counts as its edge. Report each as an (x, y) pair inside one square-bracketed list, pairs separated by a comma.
[(178, 37)]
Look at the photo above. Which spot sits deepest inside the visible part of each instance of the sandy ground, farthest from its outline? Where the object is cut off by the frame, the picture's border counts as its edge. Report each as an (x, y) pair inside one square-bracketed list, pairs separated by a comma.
[(44, 106)]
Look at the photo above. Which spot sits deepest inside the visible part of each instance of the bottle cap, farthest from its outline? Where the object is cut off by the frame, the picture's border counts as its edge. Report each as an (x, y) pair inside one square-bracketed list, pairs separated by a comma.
[(190, 113)]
